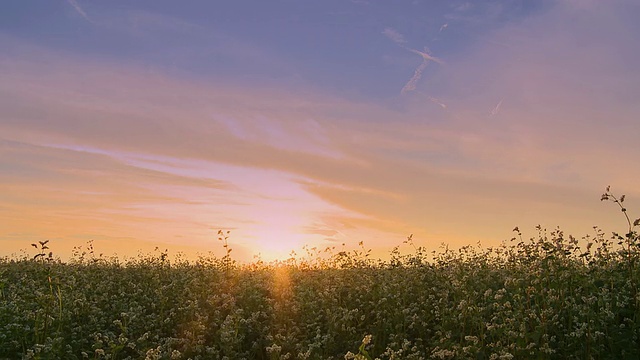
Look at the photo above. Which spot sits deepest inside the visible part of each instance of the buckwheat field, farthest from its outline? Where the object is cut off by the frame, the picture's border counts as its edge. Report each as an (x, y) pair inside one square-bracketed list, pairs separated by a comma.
[(551, 296)]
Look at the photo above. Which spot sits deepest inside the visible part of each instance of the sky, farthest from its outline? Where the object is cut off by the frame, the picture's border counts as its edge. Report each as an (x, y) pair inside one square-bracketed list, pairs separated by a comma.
[(293, 123)]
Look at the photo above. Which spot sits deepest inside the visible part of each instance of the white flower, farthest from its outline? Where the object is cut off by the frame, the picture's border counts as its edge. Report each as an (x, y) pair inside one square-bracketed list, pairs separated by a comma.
[(473, 339)]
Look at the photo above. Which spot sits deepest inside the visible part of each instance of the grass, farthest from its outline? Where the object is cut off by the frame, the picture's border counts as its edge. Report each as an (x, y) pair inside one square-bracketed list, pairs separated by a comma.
[(547, 297)]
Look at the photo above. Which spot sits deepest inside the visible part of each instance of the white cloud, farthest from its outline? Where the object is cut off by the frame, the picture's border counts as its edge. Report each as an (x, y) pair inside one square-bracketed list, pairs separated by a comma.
[(394, 35)]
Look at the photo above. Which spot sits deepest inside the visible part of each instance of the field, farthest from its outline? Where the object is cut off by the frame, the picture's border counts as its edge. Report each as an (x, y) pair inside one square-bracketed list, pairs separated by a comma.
[(548, 297)]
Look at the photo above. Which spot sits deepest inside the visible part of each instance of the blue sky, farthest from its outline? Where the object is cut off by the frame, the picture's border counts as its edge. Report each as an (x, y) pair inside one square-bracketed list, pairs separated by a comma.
[(338, 46), (313, 123)]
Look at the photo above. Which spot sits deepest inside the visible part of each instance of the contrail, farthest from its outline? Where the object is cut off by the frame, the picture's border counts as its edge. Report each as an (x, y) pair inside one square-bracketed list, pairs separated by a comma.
[(438, 101), (399, 39), (417, 74), (426, 56), (496, 109), (76, 6)]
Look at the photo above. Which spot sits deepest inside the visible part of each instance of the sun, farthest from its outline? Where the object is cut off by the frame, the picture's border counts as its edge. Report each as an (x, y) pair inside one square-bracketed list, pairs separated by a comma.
[(278, 244), (280, 248)]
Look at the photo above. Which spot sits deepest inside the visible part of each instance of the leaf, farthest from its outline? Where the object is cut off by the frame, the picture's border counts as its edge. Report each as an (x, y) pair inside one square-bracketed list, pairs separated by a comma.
[(34, 245), (637, 222), (364, 352)]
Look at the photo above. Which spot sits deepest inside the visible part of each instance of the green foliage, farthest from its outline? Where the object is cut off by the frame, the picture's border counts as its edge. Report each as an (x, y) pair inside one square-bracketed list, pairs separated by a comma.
[(549, 297)]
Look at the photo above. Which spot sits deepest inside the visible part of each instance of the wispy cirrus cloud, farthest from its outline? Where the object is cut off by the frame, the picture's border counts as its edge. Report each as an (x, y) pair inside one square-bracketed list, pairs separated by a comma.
[(394, 35), (79, 10), (367, 171)]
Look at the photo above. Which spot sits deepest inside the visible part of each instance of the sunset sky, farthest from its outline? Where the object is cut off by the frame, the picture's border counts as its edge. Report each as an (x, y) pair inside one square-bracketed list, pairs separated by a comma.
[(295, 122)]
